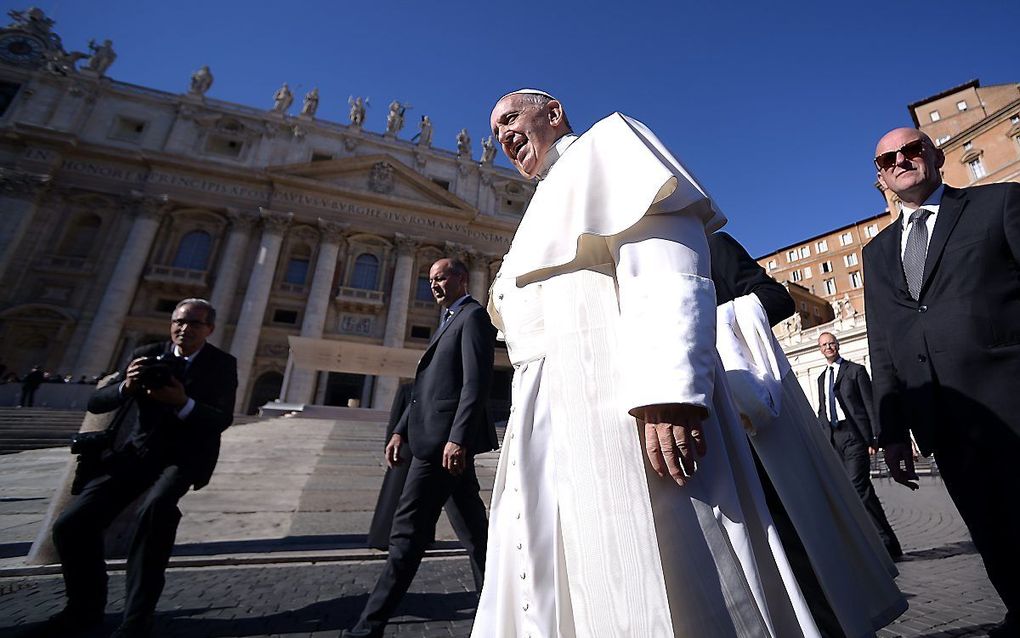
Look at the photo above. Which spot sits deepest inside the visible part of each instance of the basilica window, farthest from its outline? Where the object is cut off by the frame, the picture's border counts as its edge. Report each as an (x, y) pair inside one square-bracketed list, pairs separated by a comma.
[(423, 291), (193, 251), (297, 271), (81, 237), (366, 272)]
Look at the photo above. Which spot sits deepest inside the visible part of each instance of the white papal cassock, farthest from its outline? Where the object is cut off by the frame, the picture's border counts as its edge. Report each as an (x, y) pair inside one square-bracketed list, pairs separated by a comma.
[(606, 305)]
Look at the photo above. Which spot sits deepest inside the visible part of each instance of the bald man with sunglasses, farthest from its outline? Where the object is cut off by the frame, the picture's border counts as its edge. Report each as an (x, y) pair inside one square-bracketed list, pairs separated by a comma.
[(943, 308)]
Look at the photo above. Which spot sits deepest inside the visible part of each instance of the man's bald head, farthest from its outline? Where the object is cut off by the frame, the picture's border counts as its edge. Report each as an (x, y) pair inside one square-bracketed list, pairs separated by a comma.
[(911, 164)]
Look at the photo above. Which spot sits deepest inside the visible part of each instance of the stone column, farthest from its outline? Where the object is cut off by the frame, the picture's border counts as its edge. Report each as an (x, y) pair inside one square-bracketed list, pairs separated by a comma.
[(478, 277), (103, 334), (253, 309), (19, 196), (229, 271), (301, 382), (396, 318)]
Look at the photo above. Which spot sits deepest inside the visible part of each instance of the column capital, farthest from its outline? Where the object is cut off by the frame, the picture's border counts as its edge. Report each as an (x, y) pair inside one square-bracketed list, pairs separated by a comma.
[(242, 219), (460, 251), (333, 232), (22, 183), (275, 222), (406, 244), (149, 206)]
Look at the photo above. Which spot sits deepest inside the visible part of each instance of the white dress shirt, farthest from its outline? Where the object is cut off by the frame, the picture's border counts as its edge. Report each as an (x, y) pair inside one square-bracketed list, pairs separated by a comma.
[(834, 366), (932, 203)]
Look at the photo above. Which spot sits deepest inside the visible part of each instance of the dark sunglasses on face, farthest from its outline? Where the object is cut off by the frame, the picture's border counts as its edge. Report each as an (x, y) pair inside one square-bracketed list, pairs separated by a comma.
[(910, 150)]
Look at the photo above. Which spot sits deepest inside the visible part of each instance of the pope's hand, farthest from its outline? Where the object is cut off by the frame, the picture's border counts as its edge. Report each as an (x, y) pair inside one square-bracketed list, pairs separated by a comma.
[(674, 439)]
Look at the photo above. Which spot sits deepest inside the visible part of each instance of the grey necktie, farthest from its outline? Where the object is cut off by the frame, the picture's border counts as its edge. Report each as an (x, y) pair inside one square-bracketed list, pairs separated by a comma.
[(446, 317), (916, 251)]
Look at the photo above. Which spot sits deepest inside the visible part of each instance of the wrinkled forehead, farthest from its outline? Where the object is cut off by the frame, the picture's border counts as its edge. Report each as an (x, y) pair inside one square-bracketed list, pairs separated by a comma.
[(505, 104)]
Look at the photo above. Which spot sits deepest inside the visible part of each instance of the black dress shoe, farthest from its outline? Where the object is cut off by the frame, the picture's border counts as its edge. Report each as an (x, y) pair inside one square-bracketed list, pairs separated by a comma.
[(134, 628), (362, 631), (68, 622), (1005, 629)]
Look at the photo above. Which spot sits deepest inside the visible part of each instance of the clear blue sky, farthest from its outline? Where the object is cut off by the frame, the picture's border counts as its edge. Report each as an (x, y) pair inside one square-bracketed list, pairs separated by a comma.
[(775, 106)]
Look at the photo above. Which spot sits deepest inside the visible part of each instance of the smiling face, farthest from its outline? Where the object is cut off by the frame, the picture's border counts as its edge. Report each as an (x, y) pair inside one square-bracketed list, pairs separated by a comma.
[(829, 346), (526, 130), (912, 178), (448, 285)]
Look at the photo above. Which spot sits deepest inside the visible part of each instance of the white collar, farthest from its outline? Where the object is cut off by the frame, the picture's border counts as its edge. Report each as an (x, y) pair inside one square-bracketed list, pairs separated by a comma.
[(558, 148), (179, 353), (932, 203)]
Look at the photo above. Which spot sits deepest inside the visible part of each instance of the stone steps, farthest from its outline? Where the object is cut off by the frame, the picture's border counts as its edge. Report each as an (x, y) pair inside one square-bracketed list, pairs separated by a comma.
[(37, 428)]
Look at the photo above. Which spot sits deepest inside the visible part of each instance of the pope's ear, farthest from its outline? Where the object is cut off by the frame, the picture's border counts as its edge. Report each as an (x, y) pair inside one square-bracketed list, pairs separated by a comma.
[(555, 113)]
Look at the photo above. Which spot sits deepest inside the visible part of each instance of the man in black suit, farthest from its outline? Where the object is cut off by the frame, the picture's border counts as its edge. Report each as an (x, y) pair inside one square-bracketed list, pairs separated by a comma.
[(845, 410), (445, 425), (29, 385), (943, 304), (171, 444)]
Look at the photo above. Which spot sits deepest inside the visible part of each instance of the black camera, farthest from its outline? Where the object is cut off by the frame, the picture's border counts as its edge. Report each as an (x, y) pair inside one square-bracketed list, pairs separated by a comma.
[(157, 371)]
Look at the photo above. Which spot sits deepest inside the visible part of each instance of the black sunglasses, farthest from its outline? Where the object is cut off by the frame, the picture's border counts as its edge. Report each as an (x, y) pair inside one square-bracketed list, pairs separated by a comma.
[(910, 150)]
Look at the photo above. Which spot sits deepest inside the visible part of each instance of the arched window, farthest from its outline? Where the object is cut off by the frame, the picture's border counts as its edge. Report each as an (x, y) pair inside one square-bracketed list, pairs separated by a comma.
[(78, 241), (366, 272), (424, 290), (193, 251)]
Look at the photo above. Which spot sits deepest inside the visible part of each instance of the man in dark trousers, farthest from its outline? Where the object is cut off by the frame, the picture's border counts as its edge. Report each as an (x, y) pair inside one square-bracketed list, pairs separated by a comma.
[(171, 444), (393, 481), (845, 410), (943, 304), (445, 425), (29, 385)]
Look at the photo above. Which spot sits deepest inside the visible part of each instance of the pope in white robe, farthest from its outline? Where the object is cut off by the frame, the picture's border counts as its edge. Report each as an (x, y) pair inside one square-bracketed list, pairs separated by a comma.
[(626, 501)]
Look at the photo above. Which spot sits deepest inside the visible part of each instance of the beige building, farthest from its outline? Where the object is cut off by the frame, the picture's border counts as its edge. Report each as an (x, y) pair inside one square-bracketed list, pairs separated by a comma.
[(118, 200), (978, 128), (829, 265)]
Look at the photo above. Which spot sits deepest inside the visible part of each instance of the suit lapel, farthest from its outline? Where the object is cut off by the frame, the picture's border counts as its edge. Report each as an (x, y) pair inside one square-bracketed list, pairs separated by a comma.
[(894, 258), (950, 208), (446, 325), (842, 373)]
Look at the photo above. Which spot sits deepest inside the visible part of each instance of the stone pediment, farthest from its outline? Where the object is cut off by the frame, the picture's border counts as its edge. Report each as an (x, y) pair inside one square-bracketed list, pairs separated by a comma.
[(376, 176)]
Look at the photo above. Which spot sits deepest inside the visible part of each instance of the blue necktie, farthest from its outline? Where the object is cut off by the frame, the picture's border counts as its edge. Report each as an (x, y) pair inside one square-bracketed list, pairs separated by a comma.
[(833, 420)]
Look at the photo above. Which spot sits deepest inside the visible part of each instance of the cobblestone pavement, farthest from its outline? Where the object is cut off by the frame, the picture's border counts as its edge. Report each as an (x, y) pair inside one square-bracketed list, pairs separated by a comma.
[(942, 576)]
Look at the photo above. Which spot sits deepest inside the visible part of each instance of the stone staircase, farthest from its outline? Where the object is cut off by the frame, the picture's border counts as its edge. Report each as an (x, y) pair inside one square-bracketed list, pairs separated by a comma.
[(35, 428)]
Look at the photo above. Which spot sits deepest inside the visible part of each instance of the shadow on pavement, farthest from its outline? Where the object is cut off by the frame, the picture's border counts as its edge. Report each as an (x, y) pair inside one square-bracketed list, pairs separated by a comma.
[(962, 632), (949, 550), (328, 615)]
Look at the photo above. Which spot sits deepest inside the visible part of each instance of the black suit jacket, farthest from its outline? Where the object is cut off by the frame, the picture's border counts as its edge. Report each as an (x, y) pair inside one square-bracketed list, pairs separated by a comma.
[(194, 443), (951, 357), (853, 392), (451, 387), (736, 274), (400, 402)]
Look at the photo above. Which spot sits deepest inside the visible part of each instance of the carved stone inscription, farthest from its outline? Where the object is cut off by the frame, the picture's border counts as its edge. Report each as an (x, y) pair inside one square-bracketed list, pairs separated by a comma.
[(371, 212)]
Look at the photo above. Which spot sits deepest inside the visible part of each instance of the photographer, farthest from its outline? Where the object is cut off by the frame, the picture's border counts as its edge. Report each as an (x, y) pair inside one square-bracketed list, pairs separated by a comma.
[(184, 394)]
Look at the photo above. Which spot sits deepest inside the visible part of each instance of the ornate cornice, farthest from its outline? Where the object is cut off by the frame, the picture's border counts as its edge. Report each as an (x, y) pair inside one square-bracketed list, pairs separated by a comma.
[(22, 183), (406, 245)]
